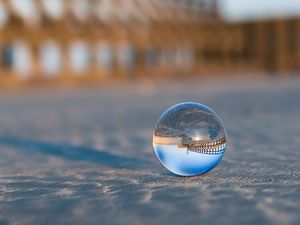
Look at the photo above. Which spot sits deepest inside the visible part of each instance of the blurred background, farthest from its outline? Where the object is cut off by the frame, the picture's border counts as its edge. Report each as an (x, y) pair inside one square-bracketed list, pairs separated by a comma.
[(94, 41)]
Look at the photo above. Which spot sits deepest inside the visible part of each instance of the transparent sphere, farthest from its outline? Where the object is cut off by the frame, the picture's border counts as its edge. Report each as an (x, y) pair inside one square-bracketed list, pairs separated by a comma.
[(189, 139)]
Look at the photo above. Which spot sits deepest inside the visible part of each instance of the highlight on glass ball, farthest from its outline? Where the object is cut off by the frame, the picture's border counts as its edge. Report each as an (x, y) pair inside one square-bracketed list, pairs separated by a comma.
[(189, 139)]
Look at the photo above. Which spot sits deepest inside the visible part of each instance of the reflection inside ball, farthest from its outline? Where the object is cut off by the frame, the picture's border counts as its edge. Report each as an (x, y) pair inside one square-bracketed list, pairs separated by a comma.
[(189, 139)]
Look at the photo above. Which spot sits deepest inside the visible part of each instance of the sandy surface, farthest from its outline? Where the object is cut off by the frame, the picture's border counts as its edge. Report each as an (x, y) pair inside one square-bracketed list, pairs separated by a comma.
[(85, 157)]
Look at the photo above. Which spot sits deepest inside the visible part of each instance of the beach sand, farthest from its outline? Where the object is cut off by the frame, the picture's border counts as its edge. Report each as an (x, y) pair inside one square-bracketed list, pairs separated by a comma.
[(85, 156)]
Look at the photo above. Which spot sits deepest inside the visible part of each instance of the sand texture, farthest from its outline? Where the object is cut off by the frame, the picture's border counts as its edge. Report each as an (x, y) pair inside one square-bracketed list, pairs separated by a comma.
[(85, 156)]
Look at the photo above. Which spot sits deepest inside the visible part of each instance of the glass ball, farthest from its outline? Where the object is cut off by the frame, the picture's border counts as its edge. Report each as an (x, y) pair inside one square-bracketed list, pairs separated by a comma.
[(189, 139)]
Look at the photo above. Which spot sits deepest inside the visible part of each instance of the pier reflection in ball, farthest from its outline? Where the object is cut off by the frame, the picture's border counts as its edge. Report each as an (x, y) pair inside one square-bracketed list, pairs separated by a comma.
[(189, 139)]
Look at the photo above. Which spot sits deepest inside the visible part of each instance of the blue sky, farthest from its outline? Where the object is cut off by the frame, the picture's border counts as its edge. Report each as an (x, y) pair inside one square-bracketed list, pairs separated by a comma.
[(236, 10)]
